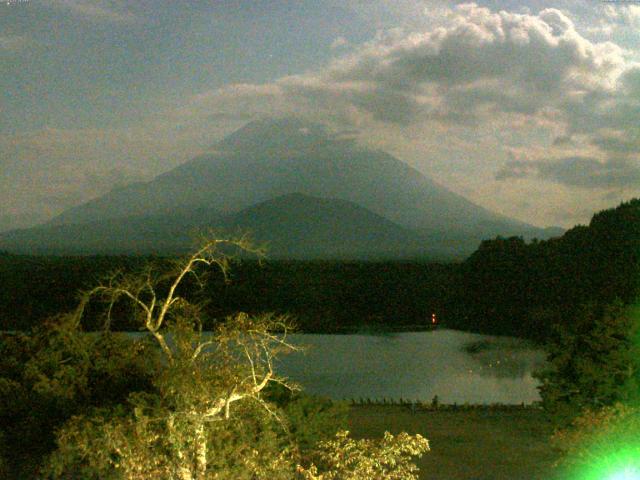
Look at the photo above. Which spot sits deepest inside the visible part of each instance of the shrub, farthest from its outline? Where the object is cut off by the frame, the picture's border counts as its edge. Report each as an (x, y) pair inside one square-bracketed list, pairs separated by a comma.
[(594, 362), (344, 458)]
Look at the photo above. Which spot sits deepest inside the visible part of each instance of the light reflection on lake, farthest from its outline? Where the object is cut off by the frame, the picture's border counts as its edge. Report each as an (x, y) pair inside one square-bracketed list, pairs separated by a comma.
[(416, 366)]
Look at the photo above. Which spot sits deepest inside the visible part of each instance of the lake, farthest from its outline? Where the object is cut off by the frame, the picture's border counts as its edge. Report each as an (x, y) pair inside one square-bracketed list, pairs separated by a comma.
[(457, 366)]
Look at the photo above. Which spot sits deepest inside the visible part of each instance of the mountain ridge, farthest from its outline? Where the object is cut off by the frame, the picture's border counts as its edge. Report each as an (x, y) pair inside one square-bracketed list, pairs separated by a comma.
[(294, 226), (270, 158)]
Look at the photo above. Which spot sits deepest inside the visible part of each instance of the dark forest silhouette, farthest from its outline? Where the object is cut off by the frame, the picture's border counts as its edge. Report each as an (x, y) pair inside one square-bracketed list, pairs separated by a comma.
[(507, 286)]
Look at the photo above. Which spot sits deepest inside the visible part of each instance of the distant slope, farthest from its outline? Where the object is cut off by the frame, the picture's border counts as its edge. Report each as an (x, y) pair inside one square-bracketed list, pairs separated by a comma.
[(130, 235), (270, 158), (292, 226), (303, 227), (13, 222)]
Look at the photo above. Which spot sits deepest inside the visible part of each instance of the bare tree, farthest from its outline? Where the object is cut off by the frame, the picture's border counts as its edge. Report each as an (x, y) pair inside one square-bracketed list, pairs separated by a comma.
[(201, 375)]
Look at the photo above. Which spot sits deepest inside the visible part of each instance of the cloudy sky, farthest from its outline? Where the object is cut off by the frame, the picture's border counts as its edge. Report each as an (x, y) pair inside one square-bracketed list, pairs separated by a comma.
[(530, 109)]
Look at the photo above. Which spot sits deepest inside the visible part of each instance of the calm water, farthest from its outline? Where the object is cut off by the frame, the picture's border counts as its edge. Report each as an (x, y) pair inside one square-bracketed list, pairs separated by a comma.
[(416, 366)]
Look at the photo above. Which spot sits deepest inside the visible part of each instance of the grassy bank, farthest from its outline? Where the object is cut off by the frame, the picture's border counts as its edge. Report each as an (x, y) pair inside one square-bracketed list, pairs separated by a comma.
[(473, 444)]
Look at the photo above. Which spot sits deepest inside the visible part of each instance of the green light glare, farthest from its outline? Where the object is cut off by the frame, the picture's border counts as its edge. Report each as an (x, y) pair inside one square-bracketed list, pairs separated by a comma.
[(629, 473), (624, 464)]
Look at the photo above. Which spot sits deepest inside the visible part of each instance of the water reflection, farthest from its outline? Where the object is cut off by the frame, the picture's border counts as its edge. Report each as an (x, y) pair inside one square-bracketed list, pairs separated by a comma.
[(457, 366)]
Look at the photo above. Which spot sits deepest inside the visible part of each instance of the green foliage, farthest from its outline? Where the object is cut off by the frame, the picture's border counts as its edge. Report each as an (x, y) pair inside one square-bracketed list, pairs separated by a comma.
[(309, 419), (57, 372), (145, 440), (184, 426), (312, 420), (344, 458), (85, 445), (150, 434), (252, 445), (594, 362)]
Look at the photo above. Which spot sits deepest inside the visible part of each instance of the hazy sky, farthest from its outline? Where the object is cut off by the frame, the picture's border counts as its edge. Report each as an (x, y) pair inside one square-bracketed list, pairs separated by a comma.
[(531, 109)]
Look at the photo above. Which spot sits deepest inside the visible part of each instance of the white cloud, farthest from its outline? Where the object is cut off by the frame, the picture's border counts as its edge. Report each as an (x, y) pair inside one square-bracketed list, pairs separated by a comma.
[(625, 14), (583, 172), (616, 20), (474, 64)]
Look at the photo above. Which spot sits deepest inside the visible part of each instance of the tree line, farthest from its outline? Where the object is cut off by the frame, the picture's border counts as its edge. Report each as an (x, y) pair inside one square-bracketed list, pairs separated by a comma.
[(507, 286), (322, 296)]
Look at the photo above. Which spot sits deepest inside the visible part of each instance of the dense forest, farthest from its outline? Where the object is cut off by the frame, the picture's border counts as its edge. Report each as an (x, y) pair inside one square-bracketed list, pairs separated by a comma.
[(510, 287), (507, 286), (319, 296)]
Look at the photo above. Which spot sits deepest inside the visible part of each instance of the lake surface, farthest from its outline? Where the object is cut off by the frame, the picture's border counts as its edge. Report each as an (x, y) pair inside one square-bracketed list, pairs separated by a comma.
[(416, 366)]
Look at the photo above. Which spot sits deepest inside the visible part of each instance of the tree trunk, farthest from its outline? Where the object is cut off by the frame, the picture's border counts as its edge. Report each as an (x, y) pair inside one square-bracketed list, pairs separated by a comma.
[(184, 466), (184, 473), (201, 451)]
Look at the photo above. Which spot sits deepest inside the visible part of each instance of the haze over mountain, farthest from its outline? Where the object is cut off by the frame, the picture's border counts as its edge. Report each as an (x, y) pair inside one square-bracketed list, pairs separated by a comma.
[(383, 202), (293, 226)]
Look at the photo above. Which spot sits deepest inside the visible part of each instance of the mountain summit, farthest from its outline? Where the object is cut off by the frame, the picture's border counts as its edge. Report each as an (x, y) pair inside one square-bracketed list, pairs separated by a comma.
[(268, 135), (270, 158)]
